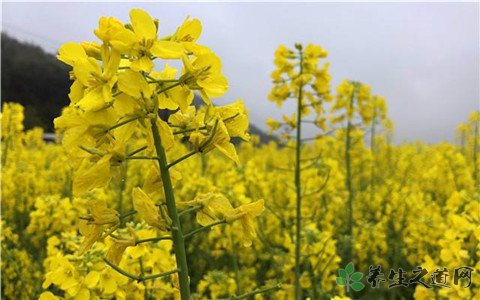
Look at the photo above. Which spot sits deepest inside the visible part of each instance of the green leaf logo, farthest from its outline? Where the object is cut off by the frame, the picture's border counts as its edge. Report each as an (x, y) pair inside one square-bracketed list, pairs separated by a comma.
[(349, 278)]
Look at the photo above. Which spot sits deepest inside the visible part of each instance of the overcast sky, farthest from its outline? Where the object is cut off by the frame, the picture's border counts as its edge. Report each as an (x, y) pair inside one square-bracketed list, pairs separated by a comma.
[(423, 57)]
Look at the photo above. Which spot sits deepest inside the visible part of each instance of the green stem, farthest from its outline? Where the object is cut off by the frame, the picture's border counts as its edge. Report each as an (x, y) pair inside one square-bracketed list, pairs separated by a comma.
[(177, 234), (256, 292), (123, 183), (142, 157), (475, 154), (137, 151), (204, 228), (298, 190), (188, 210), (155, 239), (235, 266), (312, 280), (136, 277), (7, 141), (161, 80), (181, 159), (128, 214), (91, 151), (203, 127), (169, 87), (5, 151), (372, 150), (348, 181), (188, 130), (142, 273), (462, 143), (119, 124)]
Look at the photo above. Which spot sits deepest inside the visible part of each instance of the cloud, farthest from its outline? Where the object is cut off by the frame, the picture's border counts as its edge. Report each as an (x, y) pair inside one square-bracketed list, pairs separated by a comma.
[(424, 57)]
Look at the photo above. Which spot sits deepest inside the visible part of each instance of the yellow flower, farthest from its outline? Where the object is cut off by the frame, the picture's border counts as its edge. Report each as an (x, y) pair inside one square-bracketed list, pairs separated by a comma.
[(91, 233), (71, 53), (235, 118), (273, 124), (147, 210), (282, 54), (279, 94), (89, 129), (166, 135), (93, 80), (186, 119), (115, 252), (63, 274), (203, 73), (245, 214), (292, 121), (313, 51), (101, 214), (90, 176), (188, 32), (92, 227), (218, 139), (322, 83), (113, 33), (47, 296), (144, 43), (134, 84), (214, 207), (92, 49), (174, 98), (153, 184), (92, 279), (12, 119), (107, 281)]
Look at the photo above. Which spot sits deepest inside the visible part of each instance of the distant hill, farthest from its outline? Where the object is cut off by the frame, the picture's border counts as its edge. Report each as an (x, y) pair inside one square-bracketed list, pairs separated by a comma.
[(35, 79), (40, 82)]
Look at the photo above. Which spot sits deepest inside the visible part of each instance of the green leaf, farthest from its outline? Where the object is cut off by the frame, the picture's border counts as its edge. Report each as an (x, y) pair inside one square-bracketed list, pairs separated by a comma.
[(356, 276), (342, 273), (349, 268), (341, 281), (357, 286)]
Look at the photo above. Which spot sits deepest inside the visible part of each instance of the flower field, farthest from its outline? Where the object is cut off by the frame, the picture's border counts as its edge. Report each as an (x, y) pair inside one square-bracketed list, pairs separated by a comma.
[(147, 194)]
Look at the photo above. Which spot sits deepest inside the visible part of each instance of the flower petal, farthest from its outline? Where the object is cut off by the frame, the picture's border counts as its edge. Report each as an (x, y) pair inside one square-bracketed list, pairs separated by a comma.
[(143, 24), (167, 50)]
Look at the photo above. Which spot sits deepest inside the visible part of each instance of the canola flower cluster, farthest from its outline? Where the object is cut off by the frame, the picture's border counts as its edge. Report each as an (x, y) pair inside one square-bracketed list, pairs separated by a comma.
[(423, 213), (133, 205)]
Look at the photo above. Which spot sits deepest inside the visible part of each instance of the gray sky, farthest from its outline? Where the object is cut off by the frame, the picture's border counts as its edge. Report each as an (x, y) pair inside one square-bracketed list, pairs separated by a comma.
[(423, 57)]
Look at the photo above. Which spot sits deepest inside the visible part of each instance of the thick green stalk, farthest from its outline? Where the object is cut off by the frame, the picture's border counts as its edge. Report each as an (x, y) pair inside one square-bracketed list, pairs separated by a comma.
[(235, 267), (142, 274), (298, 190), (372, 150), (136, 277), (177, 234), (256, 292), (121, 188), (5, 151), (7, 141), (475, 154), (192, 233), (348, 180)]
